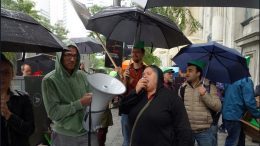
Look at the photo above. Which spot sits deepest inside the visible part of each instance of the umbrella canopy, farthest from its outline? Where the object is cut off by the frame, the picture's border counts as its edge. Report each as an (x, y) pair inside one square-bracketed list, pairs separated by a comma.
[(224, 64), (131, 24), (40, 62), (87, 45), (198, 3), (21, 33)]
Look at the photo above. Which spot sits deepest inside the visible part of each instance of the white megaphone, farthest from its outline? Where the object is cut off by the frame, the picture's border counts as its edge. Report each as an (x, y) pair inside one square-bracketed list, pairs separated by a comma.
[(104, 88)]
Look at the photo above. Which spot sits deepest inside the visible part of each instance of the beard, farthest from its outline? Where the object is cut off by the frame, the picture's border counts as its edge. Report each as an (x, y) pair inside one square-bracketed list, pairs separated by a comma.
[(137, 60)]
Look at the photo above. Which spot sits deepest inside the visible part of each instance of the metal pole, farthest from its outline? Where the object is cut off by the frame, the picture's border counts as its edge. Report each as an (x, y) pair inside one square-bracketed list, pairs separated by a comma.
[(89, 125)]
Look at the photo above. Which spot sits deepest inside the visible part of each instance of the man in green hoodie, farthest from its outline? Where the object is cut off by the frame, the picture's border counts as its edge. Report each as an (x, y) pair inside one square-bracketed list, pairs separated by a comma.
[(66, 94)]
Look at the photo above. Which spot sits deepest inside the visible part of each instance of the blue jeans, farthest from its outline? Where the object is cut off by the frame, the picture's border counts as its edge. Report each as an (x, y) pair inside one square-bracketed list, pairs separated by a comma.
[(125, 129), (214, 129), (206, 138), (236, 136)]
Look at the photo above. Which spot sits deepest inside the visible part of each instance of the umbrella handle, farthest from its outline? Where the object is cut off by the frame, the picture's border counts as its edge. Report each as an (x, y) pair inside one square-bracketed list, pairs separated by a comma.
[(207, 69), (103, 46)]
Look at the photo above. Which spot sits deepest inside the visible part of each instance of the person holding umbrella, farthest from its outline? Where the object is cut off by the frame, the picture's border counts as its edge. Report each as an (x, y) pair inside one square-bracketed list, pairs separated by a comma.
[(66, 95), (17, 119), (130, 78), (200, 101), (238, 97)]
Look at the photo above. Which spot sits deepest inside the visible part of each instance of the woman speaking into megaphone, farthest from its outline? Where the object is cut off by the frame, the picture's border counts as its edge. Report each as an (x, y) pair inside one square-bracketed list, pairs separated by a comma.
[(156, 114)]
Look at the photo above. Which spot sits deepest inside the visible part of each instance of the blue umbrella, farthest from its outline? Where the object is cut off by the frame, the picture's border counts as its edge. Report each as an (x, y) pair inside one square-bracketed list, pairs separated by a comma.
[(224, 64)]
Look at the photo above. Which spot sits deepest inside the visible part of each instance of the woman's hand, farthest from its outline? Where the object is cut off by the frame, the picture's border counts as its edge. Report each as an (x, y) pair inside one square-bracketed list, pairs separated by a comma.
[(141, 84)]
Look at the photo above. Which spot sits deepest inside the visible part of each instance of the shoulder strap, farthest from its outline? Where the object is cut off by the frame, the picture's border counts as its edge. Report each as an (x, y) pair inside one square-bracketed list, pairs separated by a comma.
[(138, 117), (182, 91), (215, 115)]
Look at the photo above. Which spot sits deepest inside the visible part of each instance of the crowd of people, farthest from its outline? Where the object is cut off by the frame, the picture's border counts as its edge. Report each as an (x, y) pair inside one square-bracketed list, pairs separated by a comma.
[(153, 111)]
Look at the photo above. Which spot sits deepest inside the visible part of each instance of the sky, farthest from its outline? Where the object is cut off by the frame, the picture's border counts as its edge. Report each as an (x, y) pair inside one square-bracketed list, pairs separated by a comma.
[(63, 10), (70, 17)]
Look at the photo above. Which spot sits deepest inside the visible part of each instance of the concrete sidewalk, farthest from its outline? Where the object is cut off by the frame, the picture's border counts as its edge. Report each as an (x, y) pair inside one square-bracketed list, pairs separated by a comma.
[(115, 138)]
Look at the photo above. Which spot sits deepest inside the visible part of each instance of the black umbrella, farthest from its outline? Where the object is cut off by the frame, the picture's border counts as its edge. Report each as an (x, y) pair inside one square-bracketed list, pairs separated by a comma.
[(21, 33), (41, 62), (130, 24), (87, 45), (198, 3)]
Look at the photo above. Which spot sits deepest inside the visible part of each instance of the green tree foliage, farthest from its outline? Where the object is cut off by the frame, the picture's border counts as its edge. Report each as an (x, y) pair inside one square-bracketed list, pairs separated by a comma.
[(9, 55), (95, 9), (60, 31), (96, 62), (27, 6), (181, 16), (150, 59)]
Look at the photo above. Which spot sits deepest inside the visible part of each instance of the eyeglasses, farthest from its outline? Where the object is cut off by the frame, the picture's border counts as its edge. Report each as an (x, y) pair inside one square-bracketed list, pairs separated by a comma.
[(69, 55)]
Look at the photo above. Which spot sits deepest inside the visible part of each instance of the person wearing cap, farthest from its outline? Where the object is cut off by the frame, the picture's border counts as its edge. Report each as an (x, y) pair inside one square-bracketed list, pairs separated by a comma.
[(238, 98), (199, 102), (130, 78), (66, 95), (168, 78)]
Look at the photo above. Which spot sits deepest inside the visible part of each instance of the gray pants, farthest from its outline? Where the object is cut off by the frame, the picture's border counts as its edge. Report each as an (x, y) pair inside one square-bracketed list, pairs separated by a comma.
[(63, 140)]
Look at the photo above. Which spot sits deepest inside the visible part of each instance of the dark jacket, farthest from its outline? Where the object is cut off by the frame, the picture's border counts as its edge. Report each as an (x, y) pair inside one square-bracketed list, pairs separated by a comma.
[(17, 130), (164, 122)]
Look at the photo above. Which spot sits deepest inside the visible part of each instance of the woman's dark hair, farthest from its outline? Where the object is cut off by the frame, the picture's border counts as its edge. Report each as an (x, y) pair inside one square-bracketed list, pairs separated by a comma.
[(159, 73), (3, 59)]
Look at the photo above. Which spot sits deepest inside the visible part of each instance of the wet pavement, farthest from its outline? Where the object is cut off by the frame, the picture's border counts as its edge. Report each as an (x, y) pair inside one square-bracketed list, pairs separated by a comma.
[(115, 138)]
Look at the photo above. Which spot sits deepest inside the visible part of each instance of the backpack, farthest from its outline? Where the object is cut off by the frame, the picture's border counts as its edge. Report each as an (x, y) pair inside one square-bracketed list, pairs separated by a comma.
[(215, 115)]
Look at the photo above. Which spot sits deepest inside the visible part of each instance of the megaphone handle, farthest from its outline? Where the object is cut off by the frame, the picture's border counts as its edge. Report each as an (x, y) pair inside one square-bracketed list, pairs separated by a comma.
[(89, 125)]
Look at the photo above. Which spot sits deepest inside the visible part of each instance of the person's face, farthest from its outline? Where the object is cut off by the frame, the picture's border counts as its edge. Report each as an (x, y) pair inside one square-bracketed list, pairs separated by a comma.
[(152, 79), (6, 76), (192, 74), (167, 77), (69, 59), (27, 71), (137, 55), (82, 67)]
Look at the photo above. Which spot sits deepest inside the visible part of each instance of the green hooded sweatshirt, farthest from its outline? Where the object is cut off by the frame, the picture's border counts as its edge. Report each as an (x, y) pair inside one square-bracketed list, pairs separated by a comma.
[(61, 96)]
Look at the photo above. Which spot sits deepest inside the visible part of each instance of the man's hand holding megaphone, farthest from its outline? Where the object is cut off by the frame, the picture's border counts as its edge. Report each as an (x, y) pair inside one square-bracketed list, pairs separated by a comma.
[(86, 99)]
